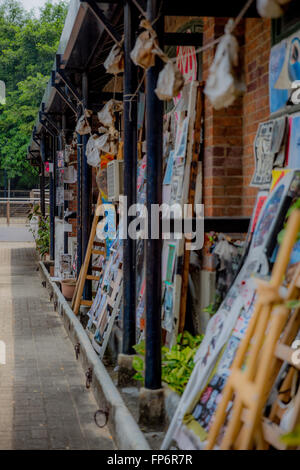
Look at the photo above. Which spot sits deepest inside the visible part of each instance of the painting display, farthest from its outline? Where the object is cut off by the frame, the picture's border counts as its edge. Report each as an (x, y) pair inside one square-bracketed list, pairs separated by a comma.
[(284, 68), (294, 142), (106, 305), (268, 151), (227, 327)]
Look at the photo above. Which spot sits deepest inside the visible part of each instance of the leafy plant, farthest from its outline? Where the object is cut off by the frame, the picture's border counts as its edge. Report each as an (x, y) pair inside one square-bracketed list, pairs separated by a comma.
[(213, 307), (28, 44), (292, 439), (295, 205), (42, 235), (177, 362)]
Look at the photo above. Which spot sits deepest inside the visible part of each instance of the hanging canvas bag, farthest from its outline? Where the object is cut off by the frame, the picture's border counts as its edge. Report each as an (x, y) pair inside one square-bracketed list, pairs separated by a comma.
[(223, 84), (270, 8), (143, 53), (106, 115), (170, 82), (114, 62), (92, 152), (83, 126)]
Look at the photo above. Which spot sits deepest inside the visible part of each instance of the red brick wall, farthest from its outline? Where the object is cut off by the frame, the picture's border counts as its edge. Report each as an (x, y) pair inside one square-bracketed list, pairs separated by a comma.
[(256, 100), (223, 139), (229, 133)]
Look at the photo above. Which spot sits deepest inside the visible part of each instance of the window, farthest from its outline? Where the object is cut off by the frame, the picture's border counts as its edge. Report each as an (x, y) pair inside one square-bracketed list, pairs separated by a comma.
[(286, 24)]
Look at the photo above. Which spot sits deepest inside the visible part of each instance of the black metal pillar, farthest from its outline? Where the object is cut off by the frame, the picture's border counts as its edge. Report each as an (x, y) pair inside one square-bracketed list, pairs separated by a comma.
[(42, 189), (42, 176), (52, 202), (154, 135), (66, 203), (130, 169), (86, 190), (79, 230)]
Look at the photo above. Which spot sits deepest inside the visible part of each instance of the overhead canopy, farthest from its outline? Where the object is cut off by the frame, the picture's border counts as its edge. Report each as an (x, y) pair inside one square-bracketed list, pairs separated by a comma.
[(86, 41)]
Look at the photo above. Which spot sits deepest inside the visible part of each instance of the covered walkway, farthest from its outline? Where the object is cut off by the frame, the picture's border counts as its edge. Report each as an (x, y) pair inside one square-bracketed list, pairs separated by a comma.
[(43, 400)]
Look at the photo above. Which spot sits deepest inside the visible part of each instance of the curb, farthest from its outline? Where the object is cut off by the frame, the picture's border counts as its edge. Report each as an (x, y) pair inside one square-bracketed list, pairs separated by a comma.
[(125, 431)]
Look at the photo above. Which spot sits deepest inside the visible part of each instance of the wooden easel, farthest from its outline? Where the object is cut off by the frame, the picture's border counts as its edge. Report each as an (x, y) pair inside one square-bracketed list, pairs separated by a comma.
[(93, 248), (283, 353), (252, 371)]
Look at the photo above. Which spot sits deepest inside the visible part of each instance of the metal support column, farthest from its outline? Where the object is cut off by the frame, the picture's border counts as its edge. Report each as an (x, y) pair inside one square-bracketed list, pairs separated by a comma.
[(86, 190), (79, 230), (130, 169), (42, 177), (154, 134), (52, 204), (42, 190), (66, 203)]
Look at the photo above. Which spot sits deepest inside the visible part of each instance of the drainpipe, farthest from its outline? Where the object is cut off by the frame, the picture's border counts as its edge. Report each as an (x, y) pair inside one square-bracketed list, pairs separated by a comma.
[(154, 134), (130, 169)]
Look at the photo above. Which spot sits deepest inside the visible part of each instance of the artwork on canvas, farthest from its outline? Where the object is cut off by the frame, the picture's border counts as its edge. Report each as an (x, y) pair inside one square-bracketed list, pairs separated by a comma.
[(294, 143), (229, 325), (267, 144), (284, 68)]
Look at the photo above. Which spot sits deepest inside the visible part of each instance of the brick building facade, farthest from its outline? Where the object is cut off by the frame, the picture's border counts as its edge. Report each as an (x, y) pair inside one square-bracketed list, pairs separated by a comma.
[(230, 132)]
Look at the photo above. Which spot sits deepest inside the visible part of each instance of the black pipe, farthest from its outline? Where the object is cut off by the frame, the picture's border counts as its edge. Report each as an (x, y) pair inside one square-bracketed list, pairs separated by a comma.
[(52, 204), (130, 168), (79, 231), (154, 135)]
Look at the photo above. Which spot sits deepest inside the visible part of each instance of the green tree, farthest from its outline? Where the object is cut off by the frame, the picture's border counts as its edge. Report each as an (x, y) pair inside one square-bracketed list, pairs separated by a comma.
[(27, 48)]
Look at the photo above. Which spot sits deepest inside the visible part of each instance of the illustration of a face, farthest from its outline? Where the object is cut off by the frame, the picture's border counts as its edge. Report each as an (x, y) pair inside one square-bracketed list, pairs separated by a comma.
[(291, 66), (294, 60)]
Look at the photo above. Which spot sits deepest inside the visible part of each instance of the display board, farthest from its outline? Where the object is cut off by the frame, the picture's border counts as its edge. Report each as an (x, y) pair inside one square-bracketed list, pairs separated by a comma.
[(226, 328)]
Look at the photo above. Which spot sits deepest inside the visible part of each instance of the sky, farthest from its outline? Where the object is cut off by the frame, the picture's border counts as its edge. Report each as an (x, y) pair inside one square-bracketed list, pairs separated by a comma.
[(28, 4)]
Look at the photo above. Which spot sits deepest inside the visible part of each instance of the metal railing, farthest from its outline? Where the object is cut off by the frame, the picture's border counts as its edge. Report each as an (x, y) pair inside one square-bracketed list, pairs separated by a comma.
[(17, 209)]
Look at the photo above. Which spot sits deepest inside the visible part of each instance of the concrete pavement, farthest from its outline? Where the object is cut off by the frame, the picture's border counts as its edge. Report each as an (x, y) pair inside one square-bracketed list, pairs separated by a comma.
[(15, 233), (43, 400)]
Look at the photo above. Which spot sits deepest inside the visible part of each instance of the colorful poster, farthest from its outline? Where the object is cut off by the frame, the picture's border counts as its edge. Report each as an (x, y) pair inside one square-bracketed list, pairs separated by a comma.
[(284, 68), (294, 143), (228, 326), (268, 143), (261, 199)]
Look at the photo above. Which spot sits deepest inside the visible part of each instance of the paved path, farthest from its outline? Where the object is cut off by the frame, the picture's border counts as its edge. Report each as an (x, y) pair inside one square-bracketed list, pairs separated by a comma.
[(15, 233), (43, 400)]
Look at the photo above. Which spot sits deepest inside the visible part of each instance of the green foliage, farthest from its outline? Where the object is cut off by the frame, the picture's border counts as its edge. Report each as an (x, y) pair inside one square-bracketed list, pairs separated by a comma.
[(280, 235), (27, 49), (213, 307), (293, 304), (177, 362), (42, 236), (292, 439)]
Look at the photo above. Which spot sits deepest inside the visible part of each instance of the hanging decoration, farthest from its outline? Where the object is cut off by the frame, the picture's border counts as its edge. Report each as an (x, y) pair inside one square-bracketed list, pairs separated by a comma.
[(106, 115), (223, 84), (83, 126), (170, 82), (146, 46), (114, 62), (271, 8), (93, 151), (109, 138)]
